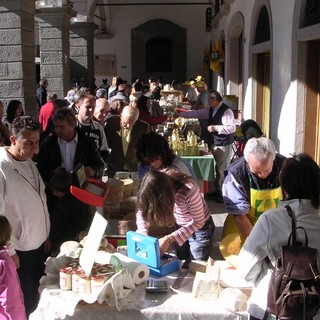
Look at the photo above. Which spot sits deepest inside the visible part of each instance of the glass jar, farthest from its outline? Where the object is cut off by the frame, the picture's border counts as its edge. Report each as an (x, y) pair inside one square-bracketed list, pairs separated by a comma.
[(65, 280), (84, 283), (75, 278)]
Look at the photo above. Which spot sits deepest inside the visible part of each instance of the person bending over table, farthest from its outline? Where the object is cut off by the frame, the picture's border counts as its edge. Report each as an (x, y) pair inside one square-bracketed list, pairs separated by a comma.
[(251, 186), (153, 151), (170, 198), (300, 182)]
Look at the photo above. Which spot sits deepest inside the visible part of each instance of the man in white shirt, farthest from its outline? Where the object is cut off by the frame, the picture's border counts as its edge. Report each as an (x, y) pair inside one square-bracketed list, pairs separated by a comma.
[(24, 204), (221, 130)]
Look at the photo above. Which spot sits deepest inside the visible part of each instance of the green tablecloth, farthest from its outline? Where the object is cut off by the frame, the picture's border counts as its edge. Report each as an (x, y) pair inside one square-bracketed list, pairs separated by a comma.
[(203, 166)]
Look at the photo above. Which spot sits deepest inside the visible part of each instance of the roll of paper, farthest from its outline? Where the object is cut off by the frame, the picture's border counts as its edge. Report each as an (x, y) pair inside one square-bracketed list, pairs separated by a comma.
[(139, 272)]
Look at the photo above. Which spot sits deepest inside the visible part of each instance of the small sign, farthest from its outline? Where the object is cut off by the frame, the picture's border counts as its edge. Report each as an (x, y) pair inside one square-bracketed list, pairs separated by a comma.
[(92, 244)]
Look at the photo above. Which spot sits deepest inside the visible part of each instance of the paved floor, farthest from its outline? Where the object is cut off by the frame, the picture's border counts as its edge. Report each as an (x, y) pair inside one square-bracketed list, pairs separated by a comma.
[(218, 214)]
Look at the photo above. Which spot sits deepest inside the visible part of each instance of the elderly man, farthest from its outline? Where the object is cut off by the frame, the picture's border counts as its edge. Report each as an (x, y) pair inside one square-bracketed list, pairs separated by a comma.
[(122, 135), (90, 127), (68, 147), (220, 131), (252, 186), (23, 201), (101, 110)]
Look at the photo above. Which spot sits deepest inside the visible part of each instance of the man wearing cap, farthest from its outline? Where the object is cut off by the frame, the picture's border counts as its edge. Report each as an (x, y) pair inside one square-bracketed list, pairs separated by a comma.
[(202, 103), (220, 130), (190, 94), (201, 78), (124, 91), (202, 99)]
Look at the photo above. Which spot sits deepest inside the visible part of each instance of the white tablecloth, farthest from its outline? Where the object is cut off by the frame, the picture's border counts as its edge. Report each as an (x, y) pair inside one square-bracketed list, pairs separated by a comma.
[(138, 304)]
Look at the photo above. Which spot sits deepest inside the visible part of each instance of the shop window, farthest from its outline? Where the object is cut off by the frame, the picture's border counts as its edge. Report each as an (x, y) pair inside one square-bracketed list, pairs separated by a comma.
[(263, 27), (311, 13)]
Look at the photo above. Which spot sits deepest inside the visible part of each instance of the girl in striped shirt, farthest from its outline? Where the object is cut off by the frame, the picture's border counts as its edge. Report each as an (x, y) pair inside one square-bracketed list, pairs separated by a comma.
[(168, 198)]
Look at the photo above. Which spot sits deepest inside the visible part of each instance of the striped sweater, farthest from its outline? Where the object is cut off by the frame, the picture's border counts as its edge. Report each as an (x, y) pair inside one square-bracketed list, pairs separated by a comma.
[(190, 212)]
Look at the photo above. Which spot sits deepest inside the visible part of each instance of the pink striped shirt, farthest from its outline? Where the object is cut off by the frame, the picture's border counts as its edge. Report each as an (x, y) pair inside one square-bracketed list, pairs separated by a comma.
[(190, 212)]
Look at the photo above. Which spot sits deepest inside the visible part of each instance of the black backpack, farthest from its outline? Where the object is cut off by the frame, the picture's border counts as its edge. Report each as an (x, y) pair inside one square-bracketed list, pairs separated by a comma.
[(294, 288)]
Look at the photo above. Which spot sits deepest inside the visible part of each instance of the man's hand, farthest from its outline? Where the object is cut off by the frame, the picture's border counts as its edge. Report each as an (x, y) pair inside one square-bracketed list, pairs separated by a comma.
[(89, 172), (211, 128)]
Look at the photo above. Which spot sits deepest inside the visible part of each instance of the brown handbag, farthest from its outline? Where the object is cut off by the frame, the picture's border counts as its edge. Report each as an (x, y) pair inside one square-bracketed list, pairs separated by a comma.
[(295, 282)]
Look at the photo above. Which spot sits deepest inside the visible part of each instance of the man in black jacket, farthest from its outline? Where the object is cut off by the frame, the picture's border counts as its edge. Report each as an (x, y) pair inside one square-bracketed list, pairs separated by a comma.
[(67, 148), (42, 93)]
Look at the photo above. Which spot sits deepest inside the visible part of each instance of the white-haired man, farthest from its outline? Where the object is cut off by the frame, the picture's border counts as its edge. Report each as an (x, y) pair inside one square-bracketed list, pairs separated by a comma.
[(122, 135), (252, 186)]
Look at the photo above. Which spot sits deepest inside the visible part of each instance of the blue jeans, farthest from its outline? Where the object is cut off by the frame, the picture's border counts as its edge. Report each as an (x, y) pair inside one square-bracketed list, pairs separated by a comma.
[(197, 247)]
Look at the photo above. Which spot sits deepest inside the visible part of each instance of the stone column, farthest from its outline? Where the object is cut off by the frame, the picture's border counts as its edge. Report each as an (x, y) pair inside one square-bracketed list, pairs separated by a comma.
[(82, 52), (17, 53), (54, 31)]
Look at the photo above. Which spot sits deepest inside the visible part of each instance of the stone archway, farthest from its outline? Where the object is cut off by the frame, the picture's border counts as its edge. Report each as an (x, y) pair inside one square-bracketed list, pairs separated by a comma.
[(173, 38)]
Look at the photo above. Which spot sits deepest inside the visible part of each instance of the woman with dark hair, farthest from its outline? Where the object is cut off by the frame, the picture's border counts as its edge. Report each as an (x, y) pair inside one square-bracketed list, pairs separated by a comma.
[(143, 104), (250, 129), (4, 131), (300, 183), (14, 109), (171, 198), (153, 151)]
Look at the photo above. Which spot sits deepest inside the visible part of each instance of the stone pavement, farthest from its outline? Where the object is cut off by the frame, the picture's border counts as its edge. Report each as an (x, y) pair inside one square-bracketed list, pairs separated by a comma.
[(219, 215)]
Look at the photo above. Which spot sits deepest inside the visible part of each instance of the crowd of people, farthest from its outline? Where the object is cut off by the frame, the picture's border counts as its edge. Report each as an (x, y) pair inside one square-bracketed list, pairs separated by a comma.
[(110, 130)]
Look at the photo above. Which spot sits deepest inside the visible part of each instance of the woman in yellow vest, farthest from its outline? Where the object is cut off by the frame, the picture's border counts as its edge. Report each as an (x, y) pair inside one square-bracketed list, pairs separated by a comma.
[(251, 186)]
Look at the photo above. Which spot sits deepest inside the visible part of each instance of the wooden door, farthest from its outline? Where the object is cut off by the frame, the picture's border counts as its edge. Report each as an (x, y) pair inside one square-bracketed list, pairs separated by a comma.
[(312, 104), (263, 92)]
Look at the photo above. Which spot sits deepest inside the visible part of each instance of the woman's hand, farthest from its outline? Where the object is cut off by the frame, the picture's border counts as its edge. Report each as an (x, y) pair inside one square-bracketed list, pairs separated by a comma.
[(164, 244)]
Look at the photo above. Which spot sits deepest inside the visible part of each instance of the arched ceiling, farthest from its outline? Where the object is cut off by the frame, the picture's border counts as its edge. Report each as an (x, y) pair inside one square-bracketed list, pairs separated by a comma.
[(100, 11)]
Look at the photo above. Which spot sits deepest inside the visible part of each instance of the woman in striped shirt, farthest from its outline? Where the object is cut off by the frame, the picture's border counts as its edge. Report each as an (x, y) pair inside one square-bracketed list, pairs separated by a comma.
[(168, 198)]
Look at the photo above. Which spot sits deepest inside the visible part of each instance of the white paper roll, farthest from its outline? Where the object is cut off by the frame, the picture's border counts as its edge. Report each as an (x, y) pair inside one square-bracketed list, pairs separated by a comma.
[(139, 272)]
